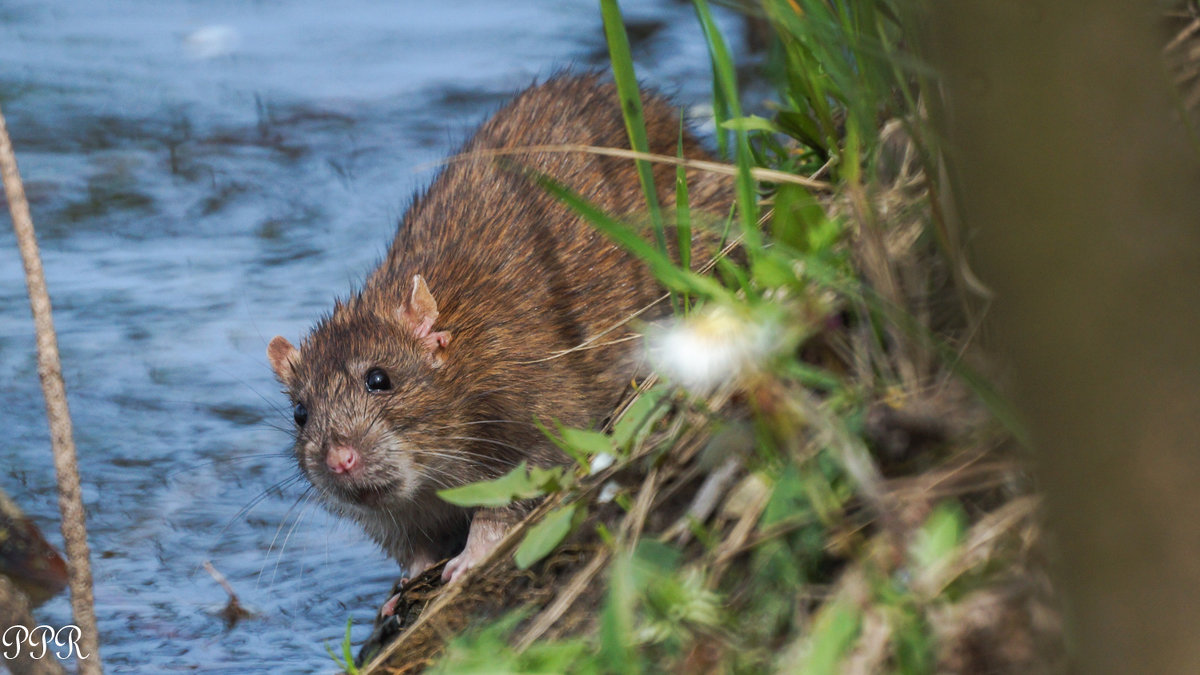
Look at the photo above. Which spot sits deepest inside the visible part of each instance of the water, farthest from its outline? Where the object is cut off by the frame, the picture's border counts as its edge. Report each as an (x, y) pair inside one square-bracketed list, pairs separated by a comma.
[(203, 176)]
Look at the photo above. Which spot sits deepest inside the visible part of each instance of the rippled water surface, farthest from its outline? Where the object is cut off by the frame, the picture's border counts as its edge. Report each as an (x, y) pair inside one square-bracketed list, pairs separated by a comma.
[(203, 176)]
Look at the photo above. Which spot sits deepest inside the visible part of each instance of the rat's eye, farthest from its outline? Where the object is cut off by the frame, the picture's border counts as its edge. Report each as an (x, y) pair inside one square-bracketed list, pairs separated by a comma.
[(377, 380), (300, 414)]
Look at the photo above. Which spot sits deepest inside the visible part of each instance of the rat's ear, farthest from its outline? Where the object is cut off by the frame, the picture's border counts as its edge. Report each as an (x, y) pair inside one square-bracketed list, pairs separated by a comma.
[(283, 357), (420, 309), (418, 314)]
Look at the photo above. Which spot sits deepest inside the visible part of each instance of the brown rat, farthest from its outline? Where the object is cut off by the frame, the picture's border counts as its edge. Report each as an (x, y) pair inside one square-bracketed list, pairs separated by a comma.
[(433, 374)]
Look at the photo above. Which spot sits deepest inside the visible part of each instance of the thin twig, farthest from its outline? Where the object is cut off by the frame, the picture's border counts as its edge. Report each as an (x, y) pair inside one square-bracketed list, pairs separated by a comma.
[(563, 601), (70, 500), (631, 529), (705, 501), (1183, 35), (762, 175), (233, 610), (737, 537)]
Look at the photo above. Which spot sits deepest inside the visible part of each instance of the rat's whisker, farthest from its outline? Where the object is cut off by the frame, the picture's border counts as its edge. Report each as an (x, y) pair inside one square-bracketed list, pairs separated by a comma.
[(300, 501), (492, 441), (286, 539)]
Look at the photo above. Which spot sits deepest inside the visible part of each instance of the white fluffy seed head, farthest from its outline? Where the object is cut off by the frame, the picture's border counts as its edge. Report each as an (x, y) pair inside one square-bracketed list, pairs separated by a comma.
[(711, 347)]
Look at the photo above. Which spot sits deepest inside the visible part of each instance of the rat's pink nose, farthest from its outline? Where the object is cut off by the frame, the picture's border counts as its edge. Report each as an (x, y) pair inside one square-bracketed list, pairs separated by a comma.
[(341, 458)]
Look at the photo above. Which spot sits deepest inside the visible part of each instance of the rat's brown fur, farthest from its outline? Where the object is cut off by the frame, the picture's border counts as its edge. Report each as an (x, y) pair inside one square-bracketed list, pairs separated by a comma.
[(516, 278)]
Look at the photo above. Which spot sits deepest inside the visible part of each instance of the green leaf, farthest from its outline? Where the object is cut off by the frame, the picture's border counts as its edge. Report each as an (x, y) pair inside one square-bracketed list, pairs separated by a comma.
[(639, 417), (547, 481), (800, 221), (834, 630), (566, 656), (653, 558), (580, 456), (802, 128), (771, 270), (939, 540), (752, 123), (502, 491), (617, 619), (482, 650), (591, 442), (543, 537), (913, 643), (788, 497), (580, 444)]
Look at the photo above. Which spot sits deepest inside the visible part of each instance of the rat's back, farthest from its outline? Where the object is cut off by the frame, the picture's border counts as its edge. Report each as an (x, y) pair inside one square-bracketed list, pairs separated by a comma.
[(512, 264)]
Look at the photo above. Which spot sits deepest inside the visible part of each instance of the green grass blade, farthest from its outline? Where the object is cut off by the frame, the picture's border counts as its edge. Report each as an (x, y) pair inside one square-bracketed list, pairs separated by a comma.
[(726, 78), (348, 651), (720, 116), (631, 109), (660, 264), (683, 214)]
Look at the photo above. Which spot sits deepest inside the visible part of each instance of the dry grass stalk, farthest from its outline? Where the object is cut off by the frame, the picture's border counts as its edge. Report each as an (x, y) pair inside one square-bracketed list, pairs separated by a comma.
[(70, 499)]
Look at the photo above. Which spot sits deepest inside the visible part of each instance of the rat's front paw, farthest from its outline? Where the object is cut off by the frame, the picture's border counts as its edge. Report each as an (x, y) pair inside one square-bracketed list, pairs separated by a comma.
[(487, 529), (476, 551), (458, 566)]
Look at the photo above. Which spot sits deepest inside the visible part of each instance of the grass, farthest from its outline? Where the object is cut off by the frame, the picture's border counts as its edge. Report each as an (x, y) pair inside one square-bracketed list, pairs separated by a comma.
[(344, 660), (846, 496)]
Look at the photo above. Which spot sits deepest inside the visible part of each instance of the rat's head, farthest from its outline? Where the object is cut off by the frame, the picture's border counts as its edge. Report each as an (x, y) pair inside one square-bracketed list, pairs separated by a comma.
[(370, 419)]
